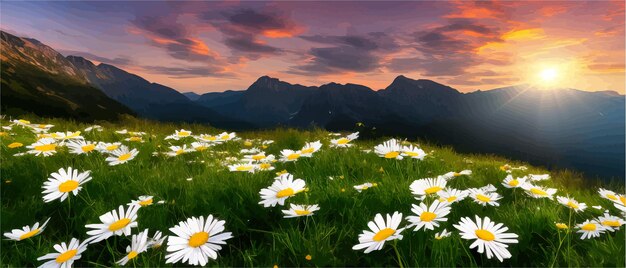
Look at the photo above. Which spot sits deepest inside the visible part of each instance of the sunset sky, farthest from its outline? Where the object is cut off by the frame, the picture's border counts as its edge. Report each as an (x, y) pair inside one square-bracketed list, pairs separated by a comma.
[(215, 46)]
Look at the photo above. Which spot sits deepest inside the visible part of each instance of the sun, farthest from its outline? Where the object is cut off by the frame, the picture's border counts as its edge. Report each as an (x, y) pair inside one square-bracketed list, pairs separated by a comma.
[(549, 75)]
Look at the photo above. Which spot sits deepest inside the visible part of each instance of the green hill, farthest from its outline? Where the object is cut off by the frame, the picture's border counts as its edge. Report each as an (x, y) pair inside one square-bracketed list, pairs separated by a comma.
[(199, 183)]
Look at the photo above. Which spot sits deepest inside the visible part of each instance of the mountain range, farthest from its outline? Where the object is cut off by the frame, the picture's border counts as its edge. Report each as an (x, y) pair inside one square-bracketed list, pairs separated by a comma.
[(567, 128)]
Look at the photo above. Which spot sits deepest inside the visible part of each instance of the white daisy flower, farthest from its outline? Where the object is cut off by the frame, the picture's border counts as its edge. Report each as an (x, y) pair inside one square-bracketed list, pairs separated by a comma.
[(282, 188), (65, 256), (620, 203), (483, 197), (64, 182), (121, 156), (45, 147), (361, 187), (142, 201), (300, 210), (310, 148), (94, 127), (571, 203), (257, 157), (428, 216), (264, 166), (225, 136), (179, 134), (114, 222), (442, 234), (390, 149), (488, 188), (247, 167), (157, 240), (538, 191), (26, 231), (413, 152), (611, 223), (123, 131), (108, 147), (452, 174), (81, 146), (68, 135), (178, 150), (134, 139), (250, 151), (451, 195), (607, 194), (381, 231), (200, 146), (597, 207), (509, 182), (590, 229), (423, 187), (138, 244), (196, 240), (290, 155), (539, 177), (344, 141), (489, 237), (206, 138)]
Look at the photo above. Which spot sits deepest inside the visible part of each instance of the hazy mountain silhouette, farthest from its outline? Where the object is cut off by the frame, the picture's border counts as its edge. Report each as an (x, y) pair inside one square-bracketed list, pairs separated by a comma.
[(191, 95), (149, 100), (37, 79)]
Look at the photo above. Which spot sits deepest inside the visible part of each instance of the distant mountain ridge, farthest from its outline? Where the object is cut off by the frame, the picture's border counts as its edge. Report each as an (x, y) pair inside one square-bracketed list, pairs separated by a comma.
[(36, 78)]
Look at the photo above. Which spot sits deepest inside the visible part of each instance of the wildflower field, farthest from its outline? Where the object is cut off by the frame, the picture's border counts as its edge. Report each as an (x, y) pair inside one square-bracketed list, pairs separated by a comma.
[(142, 193)]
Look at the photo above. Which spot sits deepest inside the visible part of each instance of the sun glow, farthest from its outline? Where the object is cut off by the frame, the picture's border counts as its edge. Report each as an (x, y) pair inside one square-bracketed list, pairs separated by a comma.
[(549, 75)]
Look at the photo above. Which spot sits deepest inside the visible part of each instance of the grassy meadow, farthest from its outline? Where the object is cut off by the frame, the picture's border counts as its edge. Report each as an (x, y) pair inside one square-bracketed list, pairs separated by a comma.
[(199, 184)]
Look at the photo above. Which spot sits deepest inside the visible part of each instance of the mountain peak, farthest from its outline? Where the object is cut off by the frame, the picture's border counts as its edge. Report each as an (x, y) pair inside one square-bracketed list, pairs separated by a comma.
[(79, 61)]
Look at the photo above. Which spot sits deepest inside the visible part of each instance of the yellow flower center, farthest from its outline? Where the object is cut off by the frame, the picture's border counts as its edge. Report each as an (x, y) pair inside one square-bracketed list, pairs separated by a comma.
[(73, 135), (561, 225), (119, 224), (483, 198), (409, 153), (45, 147), (308, 150), (198, 239), (134, 139), (433, 190), (211, 138), (285, 193), (180, 151), (611, 223), (589, 227), (201, 148), (244, 168), (451, 198), (225, 137), (571, 205), (183, 134), (383, 234), (24, 121), (308, 257), (265, 166), (88, 148), (112, 147), (66, 256), (29, 234), (392, 154), (247, 143), (68, 186), (15, 145), (132, 255), (146, 202), (124, 157), (612, 197), (485, 235), (293, 156), (343, 141), (622, 199), (456, 174), (428, 216), (513, 183), (258, 157), (302, 212), (538, 191)]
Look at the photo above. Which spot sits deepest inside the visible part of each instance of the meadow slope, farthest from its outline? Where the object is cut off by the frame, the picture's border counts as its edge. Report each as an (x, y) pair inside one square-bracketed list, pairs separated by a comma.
[(199, 183)]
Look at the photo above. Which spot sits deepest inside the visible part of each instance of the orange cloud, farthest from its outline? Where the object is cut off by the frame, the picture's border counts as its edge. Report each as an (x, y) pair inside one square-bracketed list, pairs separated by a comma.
[(607, 67), (524, 34)]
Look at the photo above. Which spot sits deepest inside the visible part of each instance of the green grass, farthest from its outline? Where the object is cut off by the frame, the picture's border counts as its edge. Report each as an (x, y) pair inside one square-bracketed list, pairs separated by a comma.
[(262, 237)]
